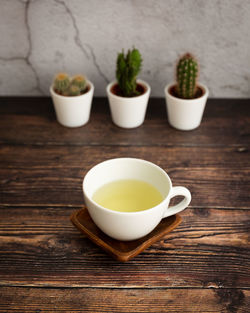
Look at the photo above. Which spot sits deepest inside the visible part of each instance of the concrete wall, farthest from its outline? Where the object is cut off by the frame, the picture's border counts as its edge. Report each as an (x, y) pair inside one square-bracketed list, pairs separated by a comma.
[(42, 37)]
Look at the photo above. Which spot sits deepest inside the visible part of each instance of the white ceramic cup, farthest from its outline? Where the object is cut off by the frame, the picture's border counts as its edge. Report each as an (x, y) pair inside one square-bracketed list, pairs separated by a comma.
[(131, 225)]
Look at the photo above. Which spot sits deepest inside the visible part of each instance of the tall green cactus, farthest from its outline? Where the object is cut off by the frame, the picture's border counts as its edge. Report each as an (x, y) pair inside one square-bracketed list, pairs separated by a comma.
[(187, 74), (127, 68)]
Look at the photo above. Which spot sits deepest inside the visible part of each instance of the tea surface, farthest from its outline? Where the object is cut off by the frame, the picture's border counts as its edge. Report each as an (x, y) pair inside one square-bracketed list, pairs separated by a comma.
[(128, 195)]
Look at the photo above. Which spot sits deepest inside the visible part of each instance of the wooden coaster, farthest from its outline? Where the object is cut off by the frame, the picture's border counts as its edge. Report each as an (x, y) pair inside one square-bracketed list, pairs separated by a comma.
[(121, 250)]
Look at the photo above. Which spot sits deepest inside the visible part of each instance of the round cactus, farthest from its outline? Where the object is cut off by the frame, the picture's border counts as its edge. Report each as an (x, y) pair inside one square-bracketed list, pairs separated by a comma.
[(74, 91), (61, 83), (187, 73), (79, 81)]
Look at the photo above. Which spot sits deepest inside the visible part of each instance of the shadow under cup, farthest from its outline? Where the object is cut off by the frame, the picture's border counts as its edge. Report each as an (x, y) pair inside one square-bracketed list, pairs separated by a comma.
[(126, 225)]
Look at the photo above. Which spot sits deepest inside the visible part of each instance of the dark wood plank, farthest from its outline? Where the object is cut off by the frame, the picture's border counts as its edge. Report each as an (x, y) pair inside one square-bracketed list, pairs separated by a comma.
[(45, 175), (226, 122), (14, 156), (42, 186), (40, 247), (123, 300)]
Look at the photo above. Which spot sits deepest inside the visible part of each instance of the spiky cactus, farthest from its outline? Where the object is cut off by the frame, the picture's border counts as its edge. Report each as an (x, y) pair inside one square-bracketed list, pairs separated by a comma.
[(187, 74), (127, 68), (61, 83), (80, 82), (74, 91), (66, 86)]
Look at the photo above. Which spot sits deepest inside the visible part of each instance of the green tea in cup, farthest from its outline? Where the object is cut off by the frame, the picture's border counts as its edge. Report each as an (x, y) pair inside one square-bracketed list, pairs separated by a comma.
[(127, 195)]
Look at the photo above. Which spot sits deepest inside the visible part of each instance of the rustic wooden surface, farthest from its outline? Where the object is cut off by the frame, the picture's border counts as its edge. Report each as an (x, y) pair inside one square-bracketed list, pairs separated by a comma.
[(46, 265), (122, 251)]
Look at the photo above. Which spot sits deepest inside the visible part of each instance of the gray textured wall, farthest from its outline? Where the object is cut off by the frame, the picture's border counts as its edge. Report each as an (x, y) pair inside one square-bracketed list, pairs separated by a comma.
[(42, 37)]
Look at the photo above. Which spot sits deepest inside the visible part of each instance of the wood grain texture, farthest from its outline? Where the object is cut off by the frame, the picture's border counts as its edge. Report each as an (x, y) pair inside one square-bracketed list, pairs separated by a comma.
[(42, 186), (124, 300), (223, 124), (46, 265), (44, 175), (19, 156), (40, 247)]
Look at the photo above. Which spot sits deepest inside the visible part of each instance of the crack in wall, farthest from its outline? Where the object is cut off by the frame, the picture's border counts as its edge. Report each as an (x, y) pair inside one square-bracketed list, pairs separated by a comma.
[(27, 58), (77, 34), (79, 43), (96, 64), (12, 59), (31, 64)]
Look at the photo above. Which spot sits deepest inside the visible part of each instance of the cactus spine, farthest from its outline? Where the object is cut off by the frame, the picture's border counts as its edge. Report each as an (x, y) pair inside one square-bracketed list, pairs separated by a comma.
[(187, 74), (127, 68)]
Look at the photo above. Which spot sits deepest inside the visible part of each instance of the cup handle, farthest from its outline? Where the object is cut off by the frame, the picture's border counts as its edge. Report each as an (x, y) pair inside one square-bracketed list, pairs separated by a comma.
[(178, 191)]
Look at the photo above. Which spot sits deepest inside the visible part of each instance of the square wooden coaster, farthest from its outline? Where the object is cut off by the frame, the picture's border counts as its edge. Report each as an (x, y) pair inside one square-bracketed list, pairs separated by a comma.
[(122, 250)]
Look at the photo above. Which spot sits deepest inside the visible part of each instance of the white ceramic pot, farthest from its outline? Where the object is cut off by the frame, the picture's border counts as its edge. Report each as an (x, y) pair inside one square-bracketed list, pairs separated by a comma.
[(73, 111), (185, 114), (128, 112), (131, 225)]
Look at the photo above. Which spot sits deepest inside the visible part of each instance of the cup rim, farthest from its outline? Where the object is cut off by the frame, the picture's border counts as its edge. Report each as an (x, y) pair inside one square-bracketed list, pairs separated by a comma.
[(53, 93), (128, 213)]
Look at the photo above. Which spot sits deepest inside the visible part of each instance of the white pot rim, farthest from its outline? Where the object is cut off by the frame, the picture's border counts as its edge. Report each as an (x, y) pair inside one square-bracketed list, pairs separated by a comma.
[(128, 98), (69, 97), (202, 86)]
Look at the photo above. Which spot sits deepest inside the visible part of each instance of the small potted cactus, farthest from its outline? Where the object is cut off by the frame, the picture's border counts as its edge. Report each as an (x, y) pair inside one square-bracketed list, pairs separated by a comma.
[(128, 96), (186, 99), (72, 98)]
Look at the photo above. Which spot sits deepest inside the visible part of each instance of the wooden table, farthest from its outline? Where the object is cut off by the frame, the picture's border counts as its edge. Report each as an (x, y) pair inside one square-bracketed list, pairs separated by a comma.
[(46, 265)]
